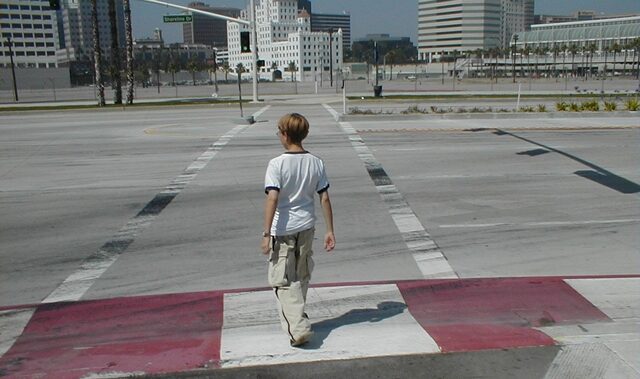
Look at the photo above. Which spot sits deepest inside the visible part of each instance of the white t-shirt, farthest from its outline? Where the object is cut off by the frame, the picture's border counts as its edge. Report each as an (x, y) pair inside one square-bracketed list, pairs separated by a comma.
[(298, 177)]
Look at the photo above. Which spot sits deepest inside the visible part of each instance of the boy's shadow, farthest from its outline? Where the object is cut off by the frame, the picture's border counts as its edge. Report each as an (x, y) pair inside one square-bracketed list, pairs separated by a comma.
[(322, 329)]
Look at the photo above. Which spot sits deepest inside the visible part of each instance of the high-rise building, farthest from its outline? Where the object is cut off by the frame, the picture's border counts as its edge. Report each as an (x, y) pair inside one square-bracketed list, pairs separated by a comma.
[(333, 22), (32, 28), (284, 41), (77, 24), (517, 16), (445, 26), (208, 30)]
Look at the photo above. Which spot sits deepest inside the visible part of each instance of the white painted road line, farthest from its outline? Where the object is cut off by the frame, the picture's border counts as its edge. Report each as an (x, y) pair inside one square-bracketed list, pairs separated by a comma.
[(92, 268), (12, 324), (618, 298), (349, 322), (542, 224), (428, 256)]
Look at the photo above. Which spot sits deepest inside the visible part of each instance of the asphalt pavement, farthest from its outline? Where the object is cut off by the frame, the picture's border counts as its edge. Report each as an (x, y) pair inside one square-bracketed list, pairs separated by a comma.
[(119, 208)]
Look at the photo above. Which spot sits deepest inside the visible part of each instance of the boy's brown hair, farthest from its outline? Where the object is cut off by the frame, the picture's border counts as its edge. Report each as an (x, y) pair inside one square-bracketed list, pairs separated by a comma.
[(295, 126)]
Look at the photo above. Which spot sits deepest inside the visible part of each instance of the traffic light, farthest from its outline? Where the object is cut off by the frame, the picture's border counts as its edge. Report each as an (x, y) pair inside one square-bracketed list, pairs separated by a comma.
[(245, 43), (54, 4)]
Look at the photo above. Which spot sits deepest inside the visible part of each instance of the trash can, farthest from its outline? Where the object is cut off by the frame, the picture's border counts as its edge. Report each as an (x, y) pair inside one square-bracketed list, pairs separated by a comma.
[(377, 91)]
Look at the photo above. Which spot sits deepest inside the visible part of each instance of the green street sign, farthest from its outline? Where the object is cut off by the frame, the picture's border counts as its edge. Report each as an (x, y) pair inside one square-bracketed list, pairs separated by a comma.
[(178, 18)]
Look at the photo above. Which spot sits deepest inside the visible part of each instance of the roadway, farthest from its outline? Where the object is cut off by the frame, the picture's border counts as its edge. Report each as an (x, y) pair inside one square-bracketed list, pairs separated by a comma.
[(169, 200)]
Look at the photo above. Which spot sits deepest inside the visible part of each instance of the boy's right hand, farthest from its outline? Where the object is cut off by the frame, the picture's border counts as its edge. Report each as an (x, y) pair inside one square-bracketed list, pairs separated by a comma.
[(329, 241)]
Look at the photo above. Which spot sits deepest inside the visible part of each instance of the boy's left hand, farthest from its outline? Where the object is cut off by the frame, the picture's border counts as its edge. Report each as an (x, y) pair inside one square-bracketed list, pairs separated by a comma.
[(329, 241)]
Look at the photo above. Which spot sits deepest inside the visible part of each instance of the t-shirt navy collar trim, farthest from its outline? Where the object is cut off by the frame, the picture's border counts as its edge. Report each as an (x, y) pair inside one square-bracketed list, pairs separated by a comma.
[(296, 152)]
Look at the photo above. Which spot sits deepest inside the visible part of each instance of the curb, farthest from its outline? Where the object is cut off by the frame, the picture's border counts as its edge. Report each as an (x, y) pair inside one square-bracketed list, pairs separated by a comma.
[(491, 116)]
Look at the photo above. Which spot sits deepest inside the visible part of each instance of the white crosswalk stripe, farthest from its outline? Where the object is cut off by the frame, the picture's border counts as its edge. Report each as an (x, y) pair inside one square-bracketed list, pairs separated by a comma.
[(349, 322)]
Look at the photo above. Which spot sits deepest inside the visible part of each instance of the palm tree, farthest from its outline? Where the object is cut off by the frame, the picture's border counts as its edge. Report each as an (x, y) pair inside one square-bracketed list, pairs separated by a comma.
[(626, 47), (97, 53), (493, 52), (605, 50), (573, 49), (497, 51), (172, 65), (226, 69), (293, 69), (592, 49), (391, 57), (539, 50), (527, 52), (116, 81), (615, 48), (193, 66), (129, 51), (156, 66), (555, 50)]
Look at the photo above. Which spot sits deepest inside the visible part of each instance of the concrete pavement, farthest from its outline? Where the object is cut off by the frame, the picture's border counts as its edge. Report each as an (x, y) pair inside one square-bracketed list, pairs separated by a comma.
[(205, 333)]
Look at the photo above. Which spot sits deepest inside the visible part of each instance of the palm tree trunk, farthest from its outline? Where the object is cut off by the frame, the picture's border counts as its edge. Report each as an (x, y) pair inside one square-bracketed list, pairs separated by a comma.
[(129, 47), (573, 66), (97, 53), (116, 81)]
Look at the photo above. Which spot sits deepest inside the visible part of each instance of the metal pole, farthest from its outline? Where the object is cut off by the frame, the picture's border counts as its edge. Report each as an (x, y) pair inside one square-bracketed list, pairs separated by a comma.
[(344, 98), (513, 57), (240, 91), (193, 10), (254, 52), (376, 58), (13, 71), (331, 56)]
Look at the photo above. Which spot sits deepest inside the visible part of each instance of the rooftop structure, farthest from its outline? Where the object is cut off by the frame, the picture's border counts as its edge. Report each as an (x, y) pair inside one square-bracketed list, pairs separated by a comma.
[(602, 33)]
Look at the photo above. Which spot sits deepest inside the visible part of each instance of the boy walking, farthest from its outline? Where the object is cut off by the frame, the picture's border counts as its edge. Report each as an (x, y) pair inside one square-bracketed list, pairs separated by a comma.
[(291, 181)]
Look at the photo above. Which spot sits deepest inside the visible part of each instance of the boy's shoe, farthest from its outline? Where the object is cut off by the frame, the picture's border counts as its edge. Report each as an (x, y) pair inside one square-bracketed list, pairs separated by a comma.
[(302, 339)]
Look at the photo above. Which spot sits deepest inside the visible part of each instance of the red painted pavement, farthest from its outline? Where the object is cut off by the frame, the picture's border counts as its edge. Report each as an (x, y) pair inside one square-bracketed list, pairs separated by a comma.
[(182, 332), (475, 314), (152, 334)]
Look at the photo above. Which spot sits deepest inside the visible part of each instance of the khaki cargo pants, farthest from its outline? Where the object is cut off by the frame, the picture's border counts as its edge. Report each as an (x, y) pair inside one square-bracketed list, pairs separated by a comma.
[(290, 267)]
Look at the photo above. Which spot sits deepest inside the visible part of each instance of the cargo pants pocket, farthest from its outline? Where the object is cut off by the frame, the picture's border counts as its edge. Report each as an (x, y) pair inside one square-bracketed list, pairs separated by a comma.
[(277, 275)]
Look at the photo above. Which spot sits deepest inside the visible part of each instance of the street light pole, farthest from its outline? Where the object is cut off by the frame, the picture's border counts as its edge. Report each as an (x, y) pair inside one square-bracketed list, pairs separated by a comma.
[(513, 57), (254, 52), (13, 70), (331, 56), (375, 56)]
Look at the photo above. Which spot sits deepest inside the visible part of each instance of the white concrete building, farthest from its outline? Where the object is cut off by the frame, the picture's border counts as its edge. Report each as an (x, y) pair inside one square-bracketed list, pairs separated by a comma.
[(33, 29), (284, 38), (445, 26)]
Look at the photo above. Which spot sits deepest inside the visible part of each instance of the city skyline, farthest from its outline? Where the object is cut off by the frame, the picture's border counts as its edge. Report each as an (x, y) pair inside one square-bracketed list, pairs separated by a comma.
[(395, 18)]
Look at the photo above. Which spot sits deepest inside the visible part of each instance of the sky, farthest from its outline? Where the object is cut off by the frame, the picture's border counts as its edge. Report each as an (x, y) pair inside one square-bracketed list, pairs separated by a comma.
[(399, 18)]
